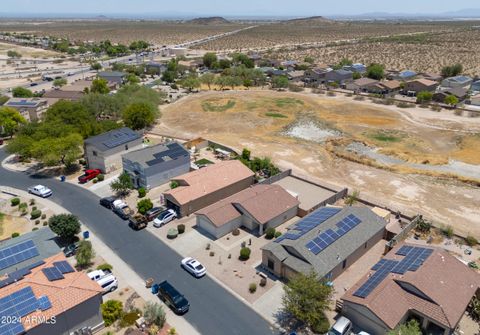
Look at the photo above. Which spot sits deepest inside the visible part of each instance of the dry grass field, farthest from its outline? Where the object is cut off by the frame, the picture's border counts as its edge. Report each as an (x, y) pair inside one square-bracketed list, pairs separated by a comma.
[(157, 32), (26, 52), (287, 127)]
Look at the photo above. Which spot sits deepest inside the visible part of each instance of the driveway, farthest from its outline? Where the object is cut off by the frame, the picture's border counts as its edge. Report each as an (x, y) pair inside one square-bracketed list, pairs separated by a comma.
[(213, 309)]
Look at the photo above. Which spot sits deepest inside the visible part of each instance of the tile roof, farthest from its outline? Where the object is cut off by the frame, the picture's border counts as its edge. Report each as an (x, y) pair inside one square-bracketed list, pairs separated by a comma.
[(365, 82), (326, 260), (425, 82), (446, 284), (262, 202), (61, 94), (208, 180), (391, 84), (64, 294)]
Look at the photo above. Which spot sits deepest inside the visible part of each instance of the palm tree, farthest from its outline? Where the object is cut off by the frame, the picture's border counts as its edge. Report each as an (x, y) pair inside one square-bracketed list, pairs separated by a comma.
[(352, 199)]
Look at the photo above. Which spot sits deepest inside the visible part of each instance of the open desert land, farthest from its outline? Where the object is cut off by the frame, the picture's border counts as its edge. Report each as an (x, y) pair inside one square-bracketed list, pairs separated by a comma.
[(118, 31), (312, 134), (26, 52)]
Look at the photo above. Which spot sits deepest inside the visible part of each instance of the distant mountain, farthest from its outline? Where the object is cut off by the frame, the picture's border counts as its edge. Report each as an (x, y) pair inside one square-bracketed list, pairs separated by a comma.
[(463, 13), (309, 21), (213, 20)]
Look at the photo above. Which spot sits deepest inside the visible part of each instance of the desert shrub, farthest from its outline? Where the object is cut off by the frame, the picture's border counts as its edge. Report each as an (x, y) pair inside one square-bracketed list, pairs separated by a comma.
[(101, 177), (245, 253), (105, 266), (278, 234), (236, 232), (404, 105), (128, 319), (172, 233), (471, 240), (423, 226), (252, 287), (181, 228), (35, 214), (15, 202), (44, 216), (32, 202), (269, 233), (37, 222), (34, 208), (211, 253), (45, 223), (142, 192), (15, 235), (263, 282), (447, 231), (23, 206), (154, 314), (95, 181), (359, 98), (111, 311), (34, 228), (331, 94)]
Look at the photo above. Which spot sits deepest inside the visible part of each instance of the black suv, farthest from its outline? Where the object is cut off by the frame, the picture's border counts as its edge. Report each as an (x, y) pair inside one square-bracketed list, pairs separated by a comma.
[(107, 202), (168, 294)]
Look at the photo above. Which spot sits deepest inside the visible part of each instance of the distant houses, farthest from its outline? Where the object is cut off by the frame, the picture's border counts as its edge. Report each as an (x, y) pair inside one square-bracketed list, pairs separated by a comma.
[(29, 108)]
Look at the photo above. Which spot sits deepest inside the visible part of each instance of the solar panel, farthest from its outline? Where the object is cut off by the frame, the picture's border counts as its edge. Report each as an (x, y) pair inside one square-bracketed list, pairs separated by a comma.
[(17, 253), (52, 274), (63, 267), (119, 138), (44, 303), (414, 258)]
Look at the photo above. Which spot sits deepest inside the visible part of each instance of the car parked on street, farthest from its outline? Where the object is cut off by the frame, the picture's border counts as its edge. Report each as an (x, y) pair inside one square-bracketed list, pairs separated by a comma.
[(153, 213), (172, 298), (70, 250), (194, 267), (107, 202), (40, 190), (342, 326), (122, 210), (164, 218), (88, 175)]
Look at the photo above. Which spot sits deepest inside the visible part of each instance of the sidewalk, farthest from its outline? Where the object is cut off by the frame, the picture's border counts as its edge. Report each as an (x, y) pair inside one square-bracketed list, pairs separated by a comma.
[(121, 269)]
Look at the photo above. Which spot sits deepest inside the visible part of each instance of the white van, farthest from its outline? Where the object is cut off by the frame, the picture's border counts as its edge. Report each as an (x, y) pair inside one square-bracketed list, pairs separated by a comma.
[(109, 283)]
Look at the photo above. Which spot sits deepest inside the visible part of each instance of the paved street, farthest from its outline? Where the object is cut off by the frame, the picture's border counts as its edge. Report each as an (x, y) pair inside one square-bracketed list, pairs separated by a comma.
[(213, 309)]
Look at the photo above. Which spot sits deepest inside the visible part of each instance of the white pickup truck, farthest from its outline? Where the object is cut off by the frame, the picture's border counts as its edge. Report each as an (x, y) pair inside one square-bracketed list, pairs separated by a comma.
[(40, 190), (105, 279)]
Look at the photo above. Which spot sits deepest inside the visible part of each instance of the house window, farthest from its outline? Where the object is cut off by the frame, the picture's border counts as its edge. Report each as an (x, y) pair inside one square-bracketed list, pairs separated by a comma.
[(94, 153), (270, 264), (344, 264)]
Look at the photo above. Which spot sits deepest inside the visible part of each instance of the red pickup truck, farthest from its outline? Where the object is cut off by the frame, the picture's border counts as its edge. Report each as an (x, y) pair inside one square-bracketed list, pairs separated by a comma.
[(88, 175)]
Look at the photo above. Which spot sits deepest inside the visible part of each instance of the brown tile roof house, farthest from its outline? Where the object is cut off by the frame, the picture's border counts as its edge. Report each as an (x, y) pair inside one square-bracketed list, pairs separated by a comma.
[(437, 290), (61, 94), (256, 208), (361, 84), (73, 300), (419, 85), (206, 186)]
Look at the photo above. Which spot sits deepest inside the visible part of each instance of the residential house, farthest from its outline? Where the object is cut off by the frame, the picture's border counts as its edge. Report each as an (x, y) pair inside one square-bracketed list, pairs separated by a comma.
[(361, 85), (412, 282), (54, 298), (296, 76), (289, 64), (339, 76), (116, 77), (203, 187), (327, 241), (155, 165), (458, 81), (56, 95), (316, 76), (357, 67), (155, 68), (475, 86), (256, 208), (432, 76), (404, 75), (420, 85), (29, 108), (105, 151), (475, 100), (387, 87), (460, 93)]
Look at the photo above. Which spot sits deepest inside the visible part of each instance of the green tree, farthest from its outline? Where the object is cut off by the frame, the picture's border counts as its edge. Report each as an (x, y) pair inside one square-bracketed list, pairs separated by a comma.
[(144, 205), (232, 81), (208, 79), (191, 82), (85, 253), (246, 154), (71, 113), (224, 63), (306, 298), (60, 82), (239, 58), (154, 314), (99, 85), (424, 97), (451, 100), (14, 54), (452, 70), (132, 79), (21, 92), (209, 59), (96, 66), (138, 115), (64, 225), (375, 71), (410, 328), (169, 76), (10, 121), (122, 185), (52, 151), (280, 82), (111, 311), (102, 105)]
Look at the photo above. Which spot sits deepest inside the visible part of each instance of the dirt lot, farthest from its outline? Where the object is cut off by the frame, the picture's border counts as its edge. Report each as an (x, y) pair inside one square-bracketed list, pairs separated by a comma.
[(26, 52), (291, 129)]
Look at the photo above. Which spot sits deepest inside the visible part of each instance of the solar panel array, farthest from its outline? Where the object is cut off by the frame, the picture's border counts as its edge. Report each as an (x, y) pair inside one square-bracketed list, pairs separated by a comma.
[(17, 253), (19, 274), (52, 273), (309, 222), (174, 151), (63, 267), (23, 103), (414, 258), (16, 306), (322, 241), (119, 138)]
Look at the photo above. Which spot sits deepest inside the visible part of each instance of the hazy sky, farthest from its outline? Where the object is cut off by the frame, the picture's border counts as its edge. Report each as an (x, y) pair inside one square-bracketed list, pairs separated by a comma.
[(233, 8)]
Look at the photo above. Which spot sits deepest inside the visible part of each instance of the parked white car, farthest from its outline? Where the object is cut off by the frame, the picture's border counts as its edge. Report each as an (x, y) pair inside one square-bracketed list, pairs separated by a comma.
[(164, 218), (342, 326), (40, 190), (194, 267), (105, 279)]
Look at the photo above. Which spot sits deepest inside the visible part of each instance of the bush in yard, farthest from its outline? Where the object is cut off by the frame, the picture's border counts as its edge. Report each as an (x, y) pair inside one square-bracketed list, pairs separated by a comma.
[(105, 266), (269, 233), (44, 216), (15, 202), (236, 232), (252, 287), (471, 240), (85, 254), (32, 202), (34, 208), (172, 233), (64, 225), (128, 319), (154, 314), (245, 253), (142, 192), (15, 235), (23, 206), (35, 214), (100, 177), (111, 311), (181, 228), (37, 222), (447, 231), (34, 228), (144, 205), (423, 226), (278, 234)]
